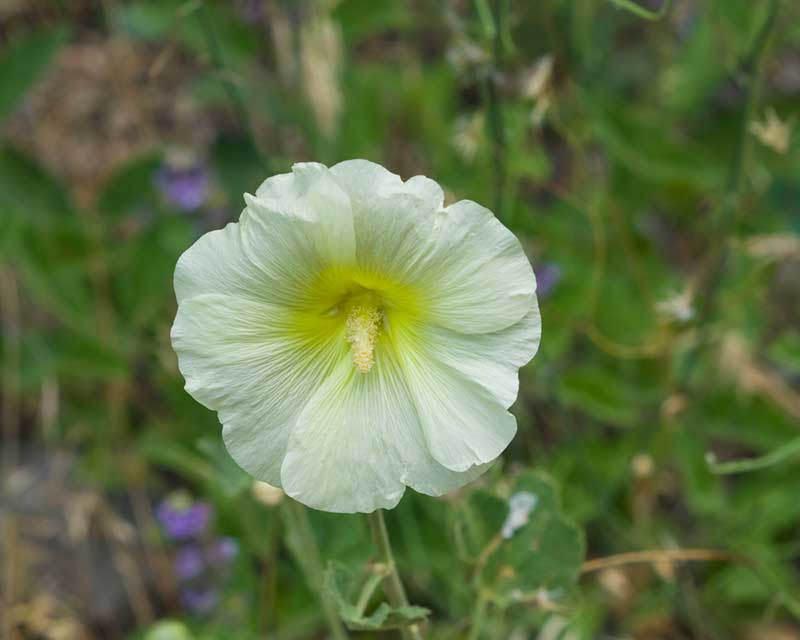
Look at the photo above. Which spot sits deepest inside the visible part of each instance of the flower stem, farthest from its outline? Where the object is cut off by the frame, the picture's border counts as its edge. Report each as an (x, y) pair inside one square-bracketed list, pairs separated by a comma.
[(229, 83), (494, 22), (480, 616), (392, 585), (750, 71), (303, 545)]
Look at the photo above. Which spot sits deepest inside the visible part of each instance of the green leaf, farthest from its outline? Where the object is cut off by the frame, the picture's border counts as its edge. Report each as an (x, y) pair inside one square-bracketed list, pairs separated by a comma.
[(168, 630), (635, 139), (782, 453), (539, 557), (599, 394), (238, 166), (386, 617), (208, 463), (24, 62), (130, 187), (238, 42), (341, 584), (785, 351), (642, 12), (28, 192), (229, 477)]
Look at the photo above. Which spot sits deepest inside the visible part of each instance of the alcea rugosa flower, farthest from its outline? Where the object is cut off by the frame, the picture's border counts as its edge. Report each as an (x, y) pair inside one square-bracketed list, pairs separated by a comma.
[(355, 337)]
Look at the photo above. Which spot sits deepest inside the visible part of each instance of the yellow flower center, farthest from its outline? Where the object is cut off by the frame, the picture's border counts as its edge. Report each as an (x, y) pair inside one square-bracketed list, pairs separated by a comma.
[(361, 329)]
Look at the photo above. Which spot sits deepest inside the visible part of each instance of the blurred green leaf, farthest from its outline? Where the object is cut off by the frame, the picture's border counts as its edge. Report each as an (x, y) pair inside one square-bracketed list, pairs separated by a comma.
[(24, 62), (599, 393), (640, 11), (131, 187), (229, 476), (150, 20), (790, 449), (362, 18), (168, 630), (535, 552), (639, 141), (785, 351), (240, 170), (340, 584), (28, 192)]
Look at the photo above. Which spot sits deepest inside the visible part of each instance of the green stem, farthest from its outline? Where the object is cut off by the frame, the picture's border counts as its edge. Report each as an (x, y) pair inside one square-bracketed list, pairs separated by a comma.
[(392, 585), (774, 457), (366, 593), (750, 69), (306, 551), (231, 88), (480, 616), (494, 22)]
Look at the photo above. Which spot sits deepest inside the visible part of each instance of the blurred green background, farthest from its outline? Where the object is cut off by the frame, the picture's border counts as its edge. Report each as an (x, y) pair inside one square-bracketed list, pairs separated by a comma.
[(646, 155)]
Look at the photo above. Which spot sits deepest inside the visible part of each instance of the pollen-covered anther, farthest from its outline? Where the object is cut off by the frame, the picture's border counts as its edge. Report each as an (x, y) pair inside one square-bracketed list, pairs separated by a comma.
[(361, 328)]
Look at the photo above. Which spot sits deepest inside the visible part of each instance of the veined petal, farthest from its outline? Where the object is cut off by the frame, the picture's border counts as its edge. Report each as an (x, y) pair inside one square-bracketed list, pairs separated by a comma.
[(469, 268), (462, 421), (216, 263), (391, 234), (425, 189), (248, 361), (478, 275), (393, 220), (358, 443), (308, 203), (280, 246), (363, 180), (490, 359)]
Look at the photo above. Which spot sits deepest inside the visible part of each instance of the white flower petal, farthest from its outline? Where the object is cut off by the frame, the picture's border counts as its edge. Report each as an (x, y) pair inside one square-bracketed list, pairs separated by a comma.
[(490, 359), (216, 263), (311, 199), (358, 443), (463, 422), (363, 180), (470, 269), (479, 275), (393, 219), (425, 189), (391, 234), (280, 245), (246, 360)]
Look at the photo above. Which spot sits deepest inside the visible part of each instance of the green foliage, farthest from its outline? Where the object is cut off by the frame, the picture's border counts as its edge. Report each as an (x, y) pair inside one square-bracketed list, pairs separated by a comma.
[(340, 583), (168, 630), (539, 557), (642, 12), (24, 62), (633, 164)]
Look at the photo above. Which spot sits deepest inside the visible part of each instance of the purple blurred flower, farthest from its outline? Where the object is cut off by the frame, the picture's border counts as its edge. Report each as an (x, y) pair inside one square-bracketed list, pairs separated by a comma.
[(548, 275), (189, 562), (187, 187), (183, 519), (223, 551), (201, 600)]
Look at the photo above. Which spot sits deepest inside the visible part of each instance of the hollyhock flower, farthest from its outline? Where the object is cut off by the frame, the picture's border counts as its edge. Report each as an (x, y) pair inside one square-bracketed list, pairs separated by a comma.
[(357, 337)]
